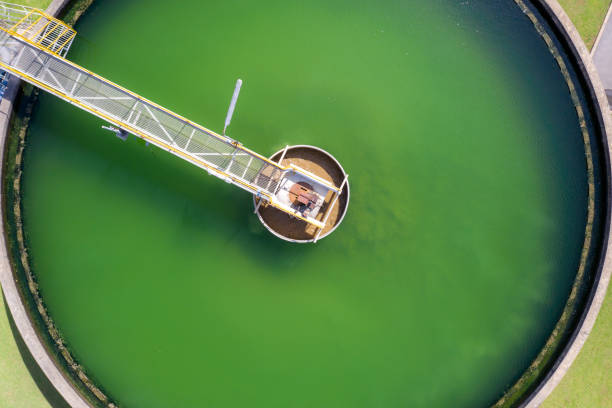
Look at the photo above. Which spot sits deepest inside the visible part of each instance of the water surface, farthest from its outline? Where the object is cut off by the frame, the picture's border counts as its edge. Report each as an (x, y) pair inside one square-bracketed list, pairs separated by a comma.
[(466, 221)]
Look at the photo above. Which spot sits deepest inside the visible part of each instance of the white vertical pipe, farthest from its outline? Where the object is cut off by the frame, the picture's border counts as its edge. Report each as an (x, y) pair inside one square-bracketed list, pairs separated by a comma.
[(258, 204), (283, 155), (230, 111)]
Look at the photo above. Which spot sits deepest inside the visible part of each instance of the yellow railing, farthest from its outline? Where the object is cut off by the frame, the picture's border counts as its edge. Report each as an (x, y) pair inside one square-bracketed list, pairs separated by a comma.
[(39, 28), (39, 44)]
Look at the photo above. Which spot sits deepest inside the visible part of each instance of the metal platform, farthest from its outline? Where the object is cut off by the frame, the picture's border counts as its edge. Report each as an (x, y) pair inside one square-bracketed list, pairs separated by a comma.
[(33, 46)]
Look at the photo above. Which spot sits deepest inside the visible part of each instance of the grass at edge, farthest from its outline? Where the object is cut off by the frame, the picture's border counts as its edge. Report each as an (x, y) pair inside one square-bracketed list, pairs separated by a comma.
[(588, 16), (588, 382), (39, 4)]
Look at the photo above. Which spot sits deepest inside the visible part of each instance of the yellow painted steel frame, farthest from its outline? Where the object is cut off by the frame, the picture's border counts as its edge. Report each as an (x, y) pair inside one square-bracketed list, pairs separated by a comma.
[(142, 135), (41, 29), (59, 24), (48, 34), (34, 23), (238, 145), (62, 45)]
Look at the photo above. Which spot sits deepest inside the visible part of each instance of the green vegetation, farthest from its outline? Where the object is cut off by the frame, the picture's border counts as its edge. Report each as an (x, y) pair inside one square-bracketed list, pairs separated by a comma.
[(76, 10), (588, 382), (22, 384), (40, 4), (587, 15), (17, 387)]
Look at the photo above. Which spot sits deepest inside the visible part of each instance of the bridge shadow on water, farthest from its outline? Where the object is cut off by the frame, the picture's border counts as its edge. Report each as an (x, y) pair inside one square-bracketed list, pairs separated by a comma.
[(44, 385), (205, 203)]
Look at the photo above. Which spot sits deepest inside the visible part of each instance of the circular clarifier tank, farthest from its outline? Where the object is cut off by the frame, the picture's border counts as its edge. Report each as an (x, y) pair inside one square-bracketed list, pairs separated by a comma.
[(468, 205)]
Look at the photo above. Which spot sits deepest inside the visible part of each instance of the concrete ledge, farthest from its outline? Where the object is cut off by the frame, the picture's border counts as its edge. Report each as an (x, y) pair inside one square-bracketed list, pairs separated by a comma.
[(56, 7), (567, 29), (9, 287)]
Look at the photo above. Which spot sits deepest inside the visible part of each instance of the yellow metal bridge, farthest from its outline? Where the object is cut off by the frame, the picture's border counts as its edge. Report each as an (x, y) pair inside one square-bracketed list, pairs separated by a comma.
[(33, 46)]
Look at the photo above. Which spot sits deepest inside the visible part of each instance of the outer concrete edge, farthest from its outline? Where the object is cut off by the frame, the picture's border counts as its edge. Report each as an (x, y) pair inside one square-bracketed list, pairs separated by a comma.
[(11, 293), (598, 293), (56, 7)]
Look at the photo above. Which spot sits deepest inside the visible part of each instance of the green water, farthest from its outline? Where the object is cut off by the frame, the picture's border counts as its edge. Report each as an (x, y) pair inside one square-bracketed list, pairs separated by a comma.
[(466, 221)]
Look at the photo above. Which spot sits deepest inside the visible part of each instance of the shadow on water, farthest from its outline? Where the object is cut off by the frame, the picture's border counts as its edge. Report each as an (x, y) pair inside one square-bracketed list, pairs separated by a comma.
[(146, 176), (44, 385), (226, 206), (268, 249)]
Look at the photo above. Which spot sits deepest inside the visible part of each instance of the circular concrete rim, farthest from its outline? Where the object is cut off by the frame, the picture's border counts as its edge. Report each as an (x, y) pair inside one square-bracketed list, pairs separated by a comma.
[(348, 198), (566, 27), (11, 294)]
